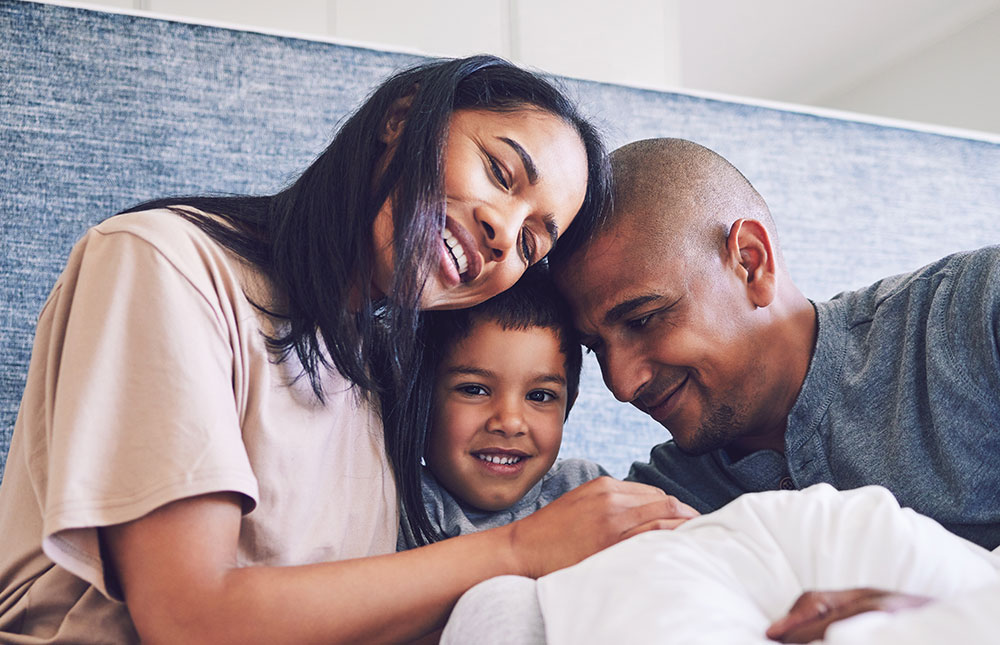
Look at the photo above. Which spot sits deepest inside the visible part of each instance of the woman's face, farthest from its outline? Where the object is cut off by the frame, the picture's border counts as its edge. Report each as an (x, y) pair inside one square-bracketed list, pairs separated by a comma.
[(513, 181)]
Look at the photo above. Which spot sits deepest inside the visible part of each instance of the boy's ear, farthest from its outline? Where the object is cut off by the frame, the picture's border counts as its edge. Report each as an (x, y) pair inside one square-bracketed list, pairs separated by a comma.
[(751, 253), (395, 119)]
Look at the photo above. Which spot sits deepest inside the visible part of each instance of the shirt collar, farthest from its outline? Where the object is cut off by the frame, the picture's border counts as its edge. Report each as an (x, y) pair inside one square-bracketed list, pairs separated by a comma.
[(825, 368)]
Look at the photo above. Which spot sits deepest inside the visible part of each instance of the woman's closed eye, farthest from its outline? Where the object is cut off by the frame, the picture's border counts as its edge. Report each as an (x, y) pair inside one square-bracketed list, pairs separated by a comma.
[(498, 173), (529, 246)]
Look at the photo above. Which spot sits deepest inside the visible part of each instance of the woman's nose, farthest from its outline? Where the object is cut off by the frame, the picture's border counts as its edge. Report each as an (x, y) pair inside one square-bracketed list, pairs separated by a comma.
[(500, 232)]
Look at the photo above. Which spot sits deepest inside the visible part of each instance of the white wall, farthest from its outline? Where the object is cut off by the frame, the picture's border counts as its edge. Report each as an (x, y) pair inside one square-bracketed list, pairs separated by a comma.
[(934, 61), (954, 82)]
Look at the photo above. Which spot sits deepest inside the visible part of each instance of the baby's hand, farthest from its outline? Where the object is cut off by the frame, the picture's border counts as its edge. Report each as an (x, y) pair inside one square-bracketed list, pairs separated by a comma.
[(590, 518), (814, 611)]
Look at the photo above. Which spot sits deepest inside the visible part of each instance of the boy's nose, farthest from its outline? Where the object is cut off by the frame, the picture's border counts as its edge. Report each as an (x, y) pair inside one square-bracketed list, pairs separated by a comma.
[(507, 424)]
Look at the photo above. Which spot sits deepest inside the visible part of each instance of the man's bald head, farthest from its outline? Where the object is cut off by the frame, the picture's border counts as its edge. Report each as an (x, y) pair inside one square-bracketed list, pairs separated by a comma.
[(684, 300), (683, 195)]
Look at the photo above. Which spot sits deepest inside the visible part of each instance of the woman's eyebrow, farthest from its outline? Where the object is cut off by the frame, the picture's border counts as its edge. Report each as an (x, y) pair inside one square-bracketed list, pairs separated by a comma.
[(529, 163), (551, 228)]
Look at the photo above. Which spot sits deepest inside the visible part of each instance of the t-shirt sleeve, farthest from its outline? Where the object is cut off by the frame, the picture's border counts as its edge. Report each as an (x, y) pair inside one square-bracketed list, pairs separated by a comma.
[(972, 323), (434, 507), (134, 383), (567, 474)]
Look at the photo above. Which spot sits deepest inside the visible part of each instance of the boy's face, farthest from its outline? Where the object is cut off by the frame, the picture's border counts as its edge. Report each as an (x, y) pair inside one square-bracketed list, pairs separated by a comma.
[(499, 405)]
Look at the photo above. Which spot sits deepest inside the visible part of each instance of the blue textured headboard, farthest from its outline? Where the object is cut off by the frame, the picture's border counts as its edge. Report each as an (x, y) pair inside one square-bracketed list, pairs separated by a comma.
[(99, 111)]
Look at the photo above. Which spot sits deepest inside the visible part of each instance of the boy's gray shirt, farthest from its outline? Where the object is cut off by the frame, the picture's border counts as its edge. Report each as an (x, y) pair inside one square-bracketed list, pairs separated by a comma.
[(450, 517), (903, 391)]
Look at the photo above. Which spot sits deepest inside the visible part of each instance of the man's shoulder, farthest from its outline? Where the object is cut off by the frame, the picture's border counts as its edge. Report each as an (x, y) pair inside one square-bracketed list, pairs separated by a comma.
[(977, 270), (703, 481)]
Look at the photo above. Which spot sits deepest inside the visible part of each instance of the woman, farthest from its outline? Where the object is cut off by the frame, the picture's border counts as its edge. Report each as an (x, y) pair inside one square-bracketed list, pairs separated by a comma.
[(187, 483)]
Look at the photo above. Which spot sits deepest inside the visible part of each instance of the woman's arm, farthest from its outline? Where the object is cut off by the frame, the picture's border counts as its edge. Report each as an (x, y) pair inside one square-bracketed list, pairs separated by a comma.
[(178, 571)]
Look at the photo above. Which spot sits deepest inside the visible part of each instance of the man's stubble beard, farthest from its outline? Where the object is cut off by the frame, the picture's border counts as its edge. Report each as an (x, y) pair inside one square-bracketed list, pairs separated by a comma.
[(724, 425)]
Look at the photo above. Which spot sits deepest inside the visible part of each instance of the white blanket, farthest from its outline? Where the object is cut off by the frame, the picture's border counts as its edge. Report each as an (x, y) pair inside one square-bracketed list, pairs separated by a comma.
[(724, 577)]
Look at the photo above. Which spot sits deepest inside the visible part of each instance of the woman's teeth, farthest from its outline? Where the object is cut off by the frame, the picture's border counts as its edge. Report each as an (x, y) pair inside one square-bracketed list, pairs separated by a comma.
[(498, 459), (457, 252)]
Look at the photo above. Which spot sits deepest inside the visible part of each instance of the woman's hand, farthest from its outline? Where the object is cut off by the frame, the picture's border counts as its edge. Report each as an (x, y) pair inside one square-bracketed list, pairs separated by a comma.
[(178, 569), (589, 518), (814, 611)]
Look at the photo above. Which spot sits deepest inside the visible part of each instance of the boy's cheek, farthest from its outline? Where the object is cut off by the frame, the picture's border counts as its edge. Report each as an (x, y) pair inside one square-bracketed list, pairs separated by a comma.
[(547, 432)]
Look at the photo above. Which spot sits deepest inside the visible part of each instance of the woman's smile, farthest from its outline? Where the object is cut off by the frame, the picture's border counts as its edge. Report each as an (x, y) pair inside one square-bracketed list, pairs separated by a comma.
[(460, 253), (512, 182)]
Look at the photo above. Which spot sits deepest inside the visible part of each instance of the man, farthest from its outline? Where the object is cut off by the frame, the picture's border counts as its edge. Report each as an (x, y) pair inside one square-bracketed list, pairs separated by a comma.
[(685, 299)]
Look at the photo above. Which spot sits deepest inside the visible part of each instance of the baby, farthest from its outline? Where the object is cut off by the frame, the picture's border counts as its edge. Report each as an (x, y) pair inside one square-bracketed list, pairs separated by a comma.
[(506, 376)]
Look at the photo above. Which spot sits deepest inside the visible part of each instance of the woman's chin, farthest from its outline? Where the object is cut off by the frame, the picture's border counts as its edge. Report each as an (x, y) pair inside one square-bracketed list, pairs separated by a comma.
[(438, 296), (442, 293)]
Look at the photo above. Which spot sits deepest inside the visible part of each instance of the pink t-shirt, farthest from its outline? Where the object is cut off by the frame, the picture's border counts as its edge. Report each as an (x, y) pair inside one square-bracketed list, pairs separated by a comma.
[(150, 381)]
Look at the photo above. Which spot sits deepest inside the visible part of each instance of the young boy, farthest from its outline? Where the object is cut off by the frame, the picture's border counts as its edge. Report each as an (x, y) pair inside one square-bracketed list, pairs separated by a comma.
[(506, 377)]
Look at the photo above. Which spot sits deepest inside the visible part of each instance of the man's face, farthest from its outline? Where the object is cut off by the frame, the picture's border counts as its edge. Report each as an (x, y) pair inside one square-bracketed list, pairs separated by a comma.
[(672, 332)]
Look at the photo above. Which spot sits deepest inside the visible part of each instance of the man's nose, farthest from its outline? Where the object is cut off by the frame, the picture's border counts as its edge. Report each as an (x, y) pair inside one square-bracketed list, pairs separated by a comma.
[(625, 373)]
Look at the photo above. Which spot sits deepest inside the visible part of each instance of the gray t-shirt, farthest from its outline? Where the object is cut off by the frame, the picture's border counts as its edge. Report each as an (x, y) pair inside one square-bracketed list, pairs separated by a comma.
[(450, 517), (903, 391)]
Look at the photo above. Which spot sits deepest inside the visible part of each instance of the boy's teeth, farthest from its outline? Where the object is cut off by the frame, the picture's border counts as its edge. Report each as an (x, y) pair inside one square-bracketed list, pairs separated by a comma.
[(500, 459), (457, 252)]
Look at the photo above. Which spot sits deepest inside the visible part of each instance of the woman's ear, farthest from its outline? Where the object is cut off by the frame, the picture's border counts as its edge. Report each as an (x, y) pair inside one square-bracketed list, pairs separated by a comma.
[(749, 247), (395, 119)]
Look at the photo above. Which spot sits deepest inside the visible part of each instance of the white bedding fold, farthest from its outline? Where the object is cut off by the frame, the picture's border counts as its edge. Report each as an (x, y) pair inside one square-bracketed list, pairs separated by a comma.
[(724, 577)]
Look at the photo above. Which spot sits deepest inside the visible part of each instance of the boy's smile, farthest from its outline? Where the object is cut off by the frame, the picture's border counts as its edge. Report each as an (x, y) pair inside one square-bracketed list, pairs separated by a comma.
[(499, 406)]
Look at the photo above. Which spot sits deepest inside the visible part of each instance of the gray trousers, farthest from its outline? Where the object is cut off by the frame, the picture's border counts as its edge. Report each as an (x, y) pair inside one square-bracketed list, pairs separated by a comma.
[(497, 611)]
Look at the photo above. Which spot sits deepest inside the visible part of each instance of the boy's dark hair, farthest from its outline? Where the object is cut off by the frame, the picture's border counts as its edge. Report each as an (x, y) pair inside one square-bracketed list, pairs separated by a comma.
[(533, 302)]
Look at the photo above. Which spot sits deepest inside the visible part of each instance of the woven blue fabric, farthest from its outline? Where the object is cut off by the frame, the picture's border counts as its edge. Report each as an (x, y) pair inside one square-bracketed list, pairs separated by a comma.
[(99, 111)]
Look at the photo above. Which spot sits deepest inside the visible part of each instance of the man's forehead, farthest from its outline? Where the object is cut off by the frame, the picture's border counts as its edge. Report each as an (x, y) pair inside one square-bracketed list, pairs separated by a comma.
[(613, 276)]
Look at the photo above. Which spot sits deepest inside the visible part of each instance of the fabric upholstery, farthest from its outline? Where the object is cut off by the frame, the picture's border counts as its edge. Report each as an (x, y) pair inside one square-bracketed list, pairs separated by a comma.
[(99, 111)]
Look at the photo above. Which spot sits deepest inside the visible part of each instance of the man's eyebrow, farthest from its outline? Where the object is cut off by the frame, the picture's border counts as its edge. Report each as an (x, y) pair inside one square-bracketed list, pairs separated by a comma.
[(529, 163), (622, 309)]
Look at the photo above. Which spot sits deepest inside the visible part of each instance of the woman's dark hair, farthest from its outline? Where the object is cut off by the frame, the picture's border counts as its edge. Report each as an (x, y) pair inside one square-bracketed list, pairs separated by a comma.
[(321, 226)]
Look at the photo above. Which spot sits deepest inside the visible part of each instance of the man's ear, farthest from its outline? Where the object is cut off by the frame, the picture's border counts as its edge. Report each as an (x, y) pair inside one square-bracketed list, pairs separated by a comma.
[(750, 250), (395, 119)]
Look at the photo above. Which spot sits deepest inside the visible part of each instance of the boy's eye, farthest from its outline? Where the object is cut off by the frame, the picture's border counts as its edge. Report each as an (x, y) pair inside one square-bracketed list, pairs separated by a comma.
[(498, 173), (472, 389), (541, 396)]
